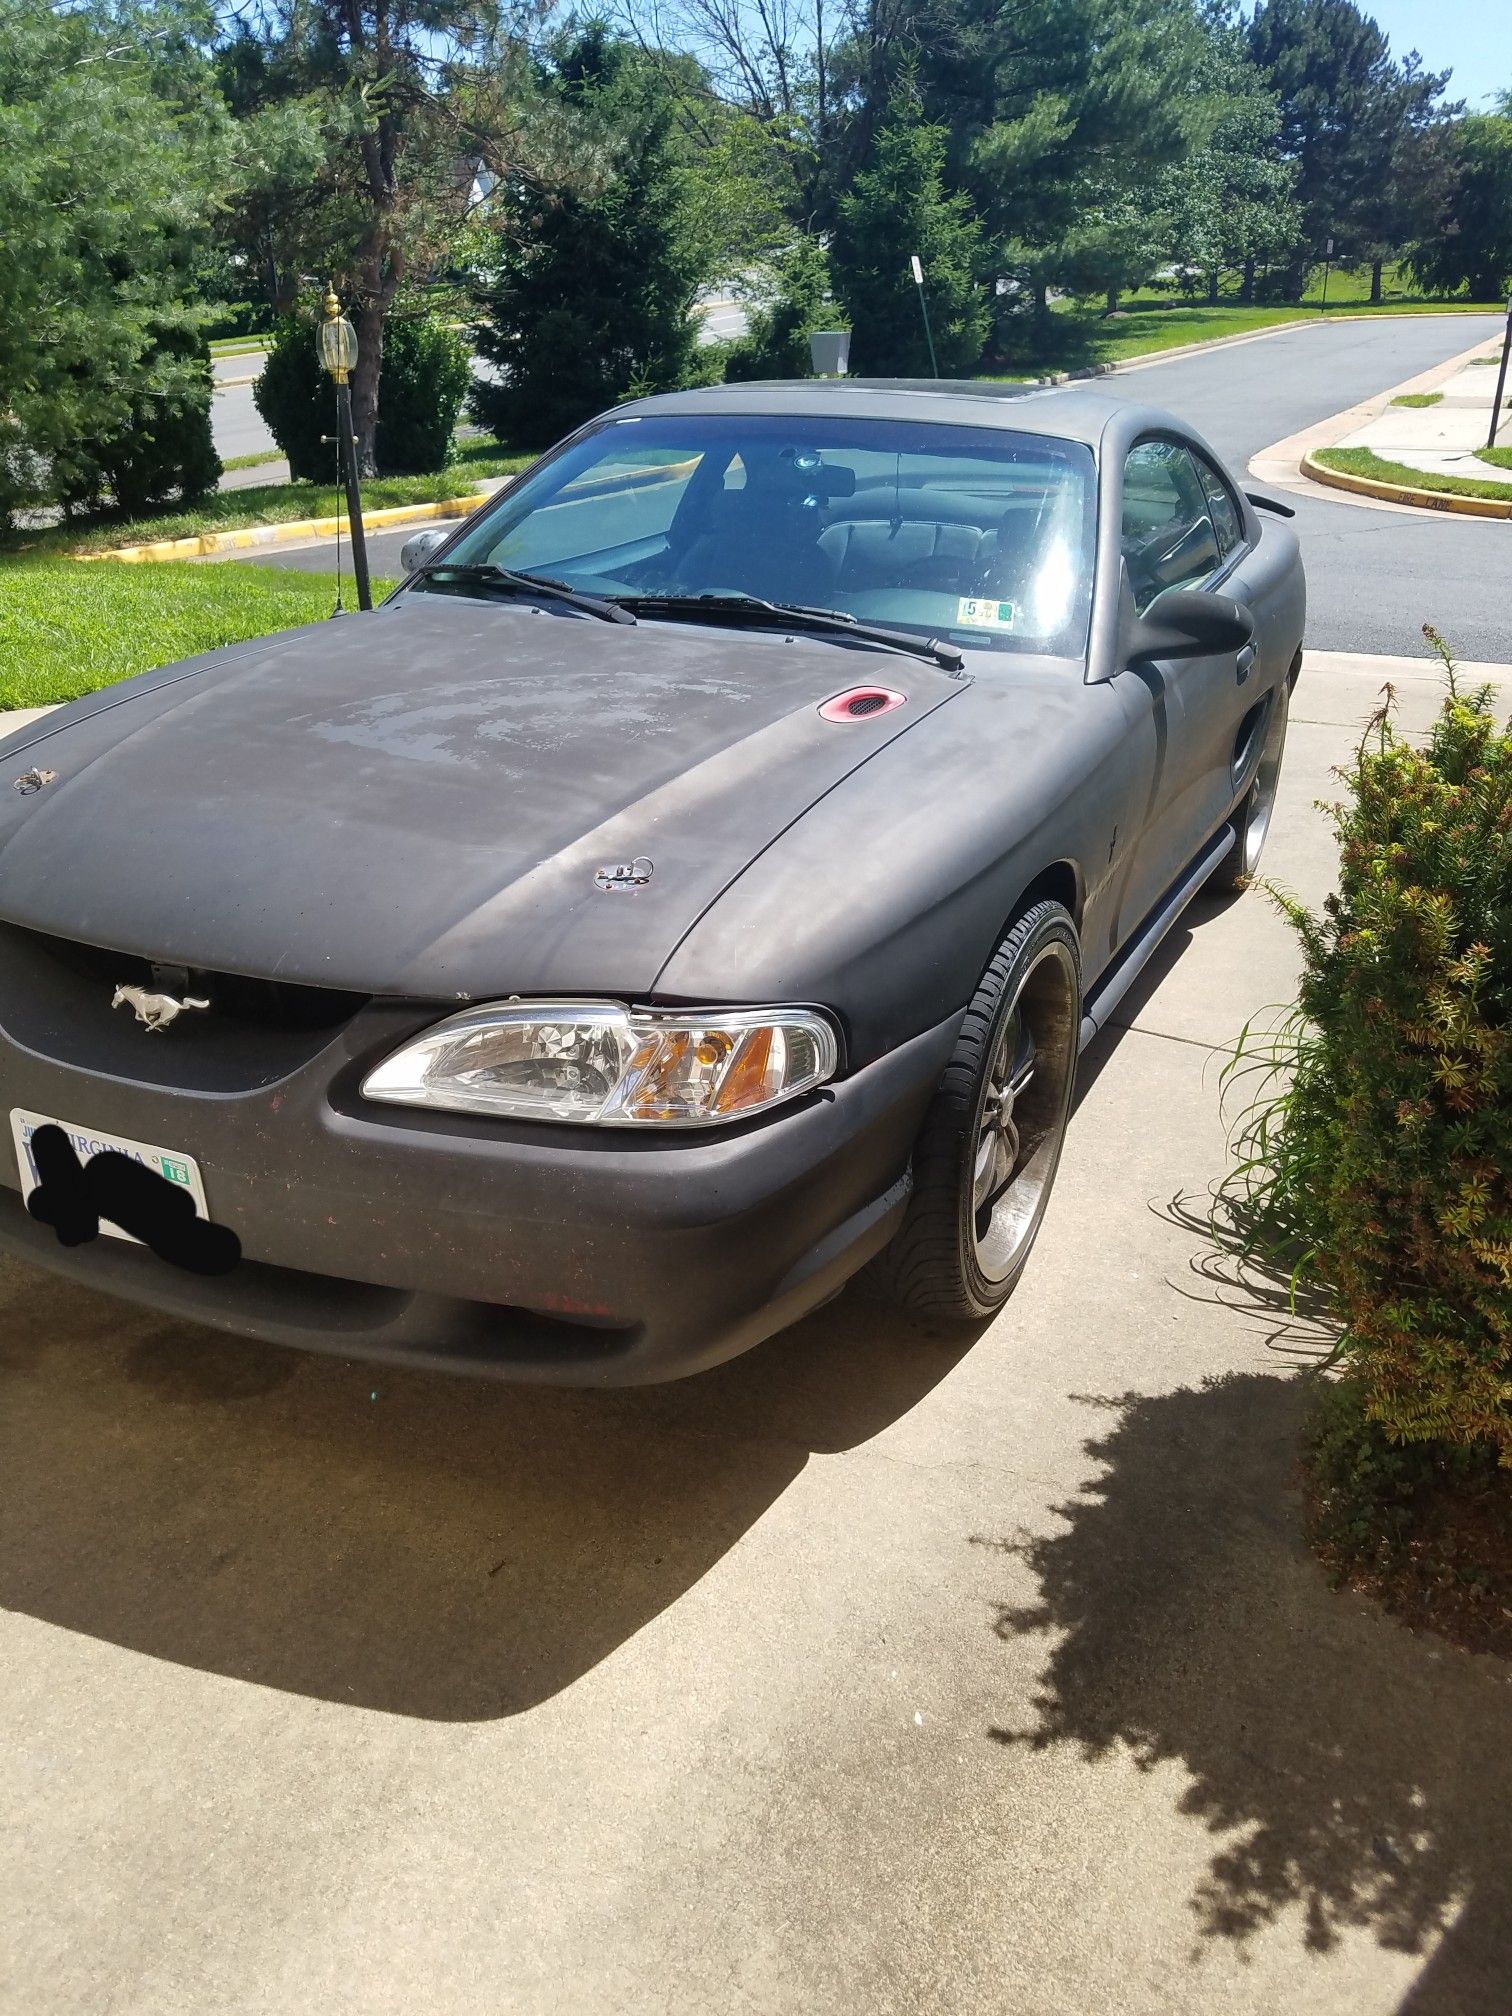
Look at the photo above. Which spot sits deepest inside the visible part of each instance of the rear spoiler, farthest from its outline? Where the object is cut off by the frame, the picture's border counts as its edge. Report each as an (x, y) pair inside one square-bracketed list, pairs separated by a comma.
[(1270, 504)]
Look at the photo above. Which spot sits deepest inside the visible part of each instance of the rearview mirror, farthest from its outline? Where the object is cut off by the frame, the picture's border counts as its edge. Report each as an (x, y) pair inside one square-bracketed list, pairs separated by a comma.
[(417, 550), (1186, 623)]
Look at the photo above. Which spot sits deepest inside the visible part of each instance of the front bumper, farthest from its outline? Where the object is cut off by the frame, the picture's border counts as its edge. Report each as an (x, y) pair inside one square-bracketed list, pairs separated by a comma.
[(536, 1253)]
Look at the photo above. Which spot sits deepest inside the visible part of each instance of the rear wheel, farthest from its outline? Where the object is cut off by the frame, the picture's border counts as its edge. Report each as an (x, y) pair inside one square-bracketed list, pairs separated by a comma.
[(1239, 867), (987, 1154)]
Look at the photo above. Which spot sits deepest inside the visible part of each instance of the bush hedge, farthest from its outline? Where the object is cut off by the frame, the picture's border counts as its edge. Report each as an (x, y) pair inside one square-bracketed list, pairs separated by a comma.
[(165, 450), (420, 392), (776, 342), (294, 397), (426, 375), (1388, 1157)]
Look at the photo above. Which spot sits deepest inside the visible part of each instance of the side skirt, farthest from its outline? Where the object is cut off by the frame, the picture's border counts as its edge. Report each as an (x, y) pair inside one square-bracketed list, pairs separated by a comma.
[(1120, 976)]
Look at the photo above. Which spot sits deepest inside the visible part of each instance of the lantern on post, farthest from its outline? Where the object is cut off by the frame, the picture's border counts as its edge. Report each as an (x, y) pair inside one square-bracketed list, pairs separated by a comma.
[(336, 347)]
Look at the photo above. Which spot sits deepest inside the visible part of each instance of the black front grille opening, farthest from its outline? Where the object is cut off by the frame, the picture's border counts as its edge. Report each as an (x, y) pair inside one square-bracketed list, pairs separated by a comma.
[(866, 703), (235, 997)]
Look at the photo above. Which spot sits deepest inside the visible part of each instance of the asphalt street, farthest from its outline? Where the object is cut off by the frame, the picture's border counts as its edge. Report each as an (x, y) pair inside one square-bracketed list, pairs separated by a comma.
[(1375, 577)]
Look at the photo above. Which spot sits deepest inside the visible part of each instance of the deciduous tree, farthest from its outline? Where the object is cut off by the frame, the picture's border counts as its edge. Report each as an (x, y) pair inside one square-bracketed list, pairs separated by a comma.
[(371, 131)]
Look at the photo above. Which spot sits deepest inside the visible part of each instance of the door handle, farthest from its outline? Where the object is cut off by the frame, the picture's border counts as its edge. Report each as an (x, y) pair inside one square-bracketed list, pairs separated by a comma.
[(1244, 664)]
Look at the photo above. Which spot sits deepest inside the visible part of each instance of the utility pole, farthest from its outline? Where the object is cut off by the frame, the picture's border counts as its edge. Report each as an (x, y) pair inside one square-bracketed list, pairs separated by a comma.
[(1327, 262)]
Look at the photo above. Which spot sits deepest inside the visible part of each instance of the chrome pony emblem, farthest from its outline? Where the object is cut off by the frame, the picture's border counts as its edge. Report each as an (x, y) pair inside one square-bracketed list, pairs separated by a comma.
[(156, 1011)]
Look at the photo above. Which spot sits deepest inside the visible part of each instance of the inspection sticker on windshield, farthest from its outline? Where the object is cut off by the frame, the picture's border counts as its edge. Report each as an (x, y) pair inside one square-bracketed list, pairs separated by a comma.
[(972, 613)]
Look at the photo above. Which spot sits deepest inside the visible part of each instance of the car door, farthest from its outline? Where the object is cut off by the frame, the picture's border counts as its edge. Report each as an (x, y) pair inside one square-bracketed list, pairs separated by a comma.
[(1181, 528)]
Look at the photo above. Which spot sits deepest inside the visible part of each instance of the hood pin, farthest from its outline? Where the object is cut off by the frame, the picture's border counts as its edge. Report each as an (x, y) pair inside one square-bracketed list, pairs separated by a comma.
[(625, 874)]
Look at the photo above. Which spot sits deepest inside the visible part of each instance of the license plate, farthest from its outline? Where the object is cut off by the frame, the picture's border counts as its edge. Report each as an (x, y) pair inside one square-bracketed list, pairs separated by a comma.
[(182, 1170)]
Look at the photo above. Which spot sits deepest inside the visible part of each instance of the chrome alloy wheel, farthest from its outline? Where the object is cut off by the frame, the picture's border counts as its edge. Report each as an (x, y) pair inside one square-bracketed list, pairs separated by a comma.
[(1260, 799), (1021, 1117)]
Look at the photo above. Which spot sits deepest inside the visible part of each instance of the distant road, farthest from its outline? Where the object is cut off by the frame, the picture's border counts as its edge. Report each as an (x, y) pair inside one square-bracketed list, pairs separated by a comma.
[(1374, 577)]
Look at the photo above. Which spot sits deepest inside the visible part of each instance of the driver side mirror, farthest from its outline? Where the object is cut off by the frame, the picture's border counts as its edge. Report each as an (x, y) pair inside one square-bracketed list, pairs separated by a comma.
[(1187, 623), (418, 549)]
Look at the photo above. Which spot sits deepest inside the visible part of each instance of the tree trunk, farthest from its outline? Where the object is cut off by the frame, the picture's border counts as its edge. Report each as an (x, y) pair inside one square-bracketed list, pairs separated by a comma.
[(1375, 282), (368, 319), (1041, 302), (1112, 300), (1247, 284), (1213, 288)]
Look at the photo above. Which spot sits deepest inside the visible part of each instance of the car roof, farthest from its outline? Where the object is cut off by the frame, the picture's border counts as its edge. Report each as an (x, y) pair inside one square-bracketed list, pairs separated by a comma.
[(1066, 412)]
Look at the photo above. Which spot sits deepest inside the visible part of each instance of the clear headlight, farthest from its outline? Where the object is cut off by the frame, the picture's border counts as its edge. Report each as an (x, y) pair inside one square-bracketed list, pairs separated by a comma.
[(608, 1065)]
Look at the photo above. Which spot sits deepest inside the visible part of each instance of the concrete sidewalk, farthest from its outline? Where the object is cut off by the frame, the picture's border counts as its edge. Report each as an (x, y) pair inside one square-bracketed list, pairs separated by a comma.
[(879, 1671), (1443, 438)]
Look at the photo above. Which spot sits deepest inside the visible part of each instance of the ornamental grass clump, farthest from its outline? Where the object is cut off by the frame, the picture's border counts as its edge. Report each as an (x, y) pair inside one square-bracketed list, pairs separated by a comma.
[(1384, 1159)]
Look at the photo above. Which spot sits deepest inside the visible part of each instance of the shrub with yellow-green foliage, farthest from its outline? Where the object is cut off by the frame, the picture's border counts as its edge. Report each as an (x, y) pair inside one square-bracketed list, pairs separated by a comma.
[(1387, 1160)]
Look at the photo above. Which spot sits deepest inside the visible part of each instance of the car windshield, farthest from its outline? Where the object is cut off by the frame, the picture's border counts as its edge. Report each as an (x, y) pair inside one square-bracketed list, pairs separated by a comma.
[(977, 535)]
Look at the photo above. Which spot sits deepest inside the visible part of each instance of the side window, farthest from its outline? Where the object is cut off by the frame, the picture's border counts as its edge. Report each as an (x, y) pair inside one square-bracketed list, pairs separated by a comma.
[(625, 499), (1222, 508), (1168, 536)]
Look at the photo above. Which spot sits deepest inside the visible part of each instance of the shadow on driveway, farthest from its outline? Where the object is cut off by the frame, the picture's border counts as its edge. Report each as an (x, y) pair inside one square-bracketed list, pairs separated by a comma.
[(416, 1542), (1346, 1769)]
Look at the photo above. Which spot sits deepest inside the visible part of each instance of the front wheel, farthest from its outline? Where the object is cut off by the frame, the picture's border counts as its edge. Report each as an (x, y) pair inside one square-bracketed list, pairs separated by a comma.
[(987, 1154), (1239, 867)]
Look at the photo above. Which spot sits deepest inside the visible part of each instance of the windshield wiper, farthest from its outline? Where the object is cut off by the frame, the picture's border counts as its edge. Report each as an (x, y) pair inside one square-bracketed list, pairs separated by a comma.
[(504, 580), (835, 622)]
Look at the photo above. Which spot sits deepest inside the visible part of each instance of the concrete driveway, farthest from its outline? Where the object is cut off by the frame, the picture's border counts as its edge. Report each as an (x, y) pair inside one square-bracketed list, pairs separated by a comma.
[(879, 1671)]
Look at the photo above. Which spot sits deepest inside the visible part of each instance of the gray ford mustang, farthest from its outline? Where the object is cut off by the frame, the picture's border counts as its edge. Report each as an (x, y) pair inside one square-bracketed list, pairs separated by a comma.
[(694, 884)]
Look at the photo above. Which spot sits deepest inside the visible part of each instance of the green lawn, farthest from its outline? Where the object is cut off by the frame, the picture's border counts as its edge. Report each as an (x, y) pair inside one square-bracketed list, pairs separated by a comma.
[(266, 504), (70, 626), (1418, 399), (1365, 462)]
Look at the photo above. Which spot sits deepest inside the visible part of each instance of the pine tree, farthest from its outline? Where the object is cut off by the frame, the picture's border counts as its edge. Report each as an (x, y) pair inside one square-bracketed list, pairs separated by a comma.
[(588, 301), (109, 140), (898, 208)]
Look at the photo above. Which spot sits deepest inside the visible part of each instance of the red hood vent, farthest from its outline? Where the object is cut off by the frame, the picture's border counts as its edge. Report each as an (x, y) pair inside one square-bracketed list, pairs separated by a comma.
[(861, 703)]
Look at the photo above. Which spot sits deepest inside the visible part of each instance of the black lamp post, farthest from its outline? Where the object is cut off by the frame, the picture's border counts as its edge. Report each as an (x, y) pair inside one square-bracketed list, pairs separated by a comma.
[(336, 345)]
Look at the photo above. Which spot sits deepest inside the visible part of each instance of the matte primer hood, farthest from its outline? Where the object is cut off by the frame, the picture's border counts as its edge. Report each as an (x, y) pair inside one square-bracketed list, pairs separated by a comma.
[(416, 802)]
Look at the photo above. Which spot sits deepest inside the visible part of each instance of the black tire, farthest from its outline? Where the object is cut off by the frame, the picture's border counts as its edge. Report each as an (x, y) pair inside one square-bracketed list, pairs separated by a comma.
[(953, 1258), (1239, 867)]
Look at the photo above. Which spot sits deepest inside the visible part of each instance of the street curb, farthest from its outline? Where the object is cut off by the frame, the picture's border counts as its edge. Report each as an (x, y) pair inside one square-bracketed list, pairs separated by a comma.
[(1402, 493), (1312, 321), (1085, 371), (225, 384), (249, 538), (1285, 464)]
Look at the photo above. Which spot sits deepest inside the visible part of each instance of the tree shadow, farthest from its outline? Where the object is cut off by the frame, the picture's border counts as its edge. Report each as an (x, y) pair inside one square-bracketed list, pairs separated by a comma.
[(420, 1543), (1352, 1774)]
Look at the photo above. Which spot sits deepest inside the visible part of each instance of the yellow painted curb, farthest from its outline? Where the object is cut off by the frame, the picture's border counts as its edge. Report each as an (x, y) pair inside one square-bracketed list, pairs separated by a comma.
[(249, 537), (1402, 493)]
